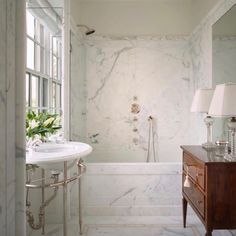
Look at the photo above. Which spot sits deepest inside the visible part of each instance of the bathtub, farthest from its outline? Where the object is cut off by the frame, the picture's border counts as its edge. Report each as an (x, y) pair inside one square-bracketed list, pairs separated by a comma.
[(131, 190)]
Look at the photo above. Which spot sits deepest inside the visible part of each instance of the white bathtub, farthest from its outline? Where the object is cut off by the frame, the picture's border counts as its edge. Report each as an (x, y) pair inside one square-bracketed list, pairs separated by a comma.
[(131, 189)]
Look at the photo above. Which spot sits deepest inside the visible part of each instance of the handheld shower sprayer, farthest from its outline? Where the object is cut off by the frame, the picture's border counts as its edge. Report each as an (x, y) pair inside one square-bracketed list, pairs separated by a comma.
[(88, 30)]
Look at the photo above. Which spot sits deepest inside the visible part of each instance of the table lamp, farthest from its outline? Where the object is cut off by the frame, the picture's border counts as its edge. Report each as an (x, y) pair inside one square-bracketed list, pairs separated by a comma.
[(223, 104), (201, 103)]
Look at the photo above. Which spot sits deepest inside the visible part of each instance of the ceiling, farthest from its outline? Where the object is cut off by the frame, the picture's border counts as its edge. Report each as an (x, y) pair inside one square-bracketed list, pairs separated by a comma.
[(141, 17)]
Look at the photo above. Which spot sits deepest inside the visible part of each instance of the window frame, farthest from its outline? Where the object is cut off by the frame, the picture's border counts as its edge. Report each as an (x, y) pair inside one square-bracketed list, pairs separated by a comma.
[(43, 69)]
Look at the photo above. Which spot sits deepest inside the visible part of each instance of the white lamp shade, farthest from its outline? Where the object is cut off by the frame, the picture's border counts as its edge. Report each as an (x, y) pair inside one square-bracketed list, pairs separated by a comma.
[(202, 100), (224, 101)]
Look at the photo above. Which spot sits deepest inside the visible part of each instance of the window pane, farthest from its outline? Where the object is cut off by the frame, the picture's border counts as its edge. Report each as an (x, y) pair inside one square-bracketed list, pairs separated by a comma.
[(37, 31), (34, 91), (47, 63), (37, 57), (53, 94), (54, 45), (27, 94), (42, 40), (58, 95), (30, 24), (45, 93), (47, 53), (30, 54), (59, 69), (54, 67), (42, 61)]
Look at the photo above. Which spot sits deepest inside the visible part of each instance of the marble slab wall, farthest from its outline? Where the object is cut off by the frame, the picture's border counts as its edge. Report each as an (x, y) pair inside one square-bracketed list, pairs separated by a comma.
[(159, 76), (12, 117), (78, 90), (150, 74), (132, 189)]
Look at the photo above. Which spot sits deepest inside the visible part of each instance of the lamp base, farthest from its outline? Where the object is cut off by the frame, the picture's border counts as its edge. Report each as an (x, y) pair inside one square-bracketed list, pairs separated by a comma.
[(208, 145), (229, 157)]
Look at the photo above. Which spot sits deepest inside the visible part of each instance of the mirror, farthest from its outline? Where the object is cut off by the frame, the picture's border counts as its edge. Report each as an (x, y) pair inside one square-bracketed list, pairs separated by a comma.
[(223, 60)]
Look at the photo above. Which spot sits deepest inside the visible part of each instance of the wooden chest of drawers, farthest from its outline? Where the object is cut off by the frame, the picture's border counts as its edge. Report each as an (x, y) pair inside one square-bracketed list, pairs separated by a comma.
[(211, 189)]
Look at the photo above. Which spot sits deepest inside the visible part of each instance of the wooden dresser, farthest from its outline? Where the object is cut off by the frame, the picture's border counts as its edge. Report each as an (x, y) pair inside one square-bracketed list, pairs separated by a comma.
[(211, 190)]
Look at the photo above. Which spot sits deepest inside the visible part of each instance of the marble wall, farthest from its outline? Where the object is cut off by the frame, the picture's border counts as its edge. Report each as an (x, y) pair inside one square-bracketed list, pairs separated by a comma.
[(78, 89), (132, 189), (153, 72), (12, 117), (160, 74)]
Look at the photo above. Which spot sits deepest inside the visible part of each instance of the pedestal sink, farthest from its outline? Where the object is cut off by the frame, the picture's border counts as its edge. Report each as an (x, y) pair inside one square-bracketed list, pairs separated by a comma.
[(56, 157), (52, 155)]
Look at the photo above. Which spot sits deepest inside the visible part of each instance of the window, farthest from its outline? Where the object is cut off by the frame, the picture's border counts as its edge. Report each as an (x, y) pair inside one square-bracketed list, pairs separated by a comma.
[(43, 72)]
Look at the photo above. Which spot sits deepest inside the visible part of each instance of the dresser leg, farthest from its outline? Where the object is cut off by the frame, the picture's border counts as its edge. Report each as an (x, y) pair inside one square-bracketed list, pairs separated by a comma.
[(184, 205), (208, 232)]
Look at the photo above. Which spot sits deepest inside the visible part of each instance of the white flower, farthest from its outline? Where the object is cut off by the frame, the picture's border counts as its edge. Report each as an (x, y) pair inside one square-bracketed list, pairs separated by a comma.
[(33, 124)]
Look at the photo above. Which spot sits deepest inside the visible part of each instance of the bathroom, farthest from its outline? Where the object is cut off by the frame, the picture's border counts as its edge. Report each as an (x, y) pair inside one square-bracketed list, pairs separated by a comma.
[(127, 90)]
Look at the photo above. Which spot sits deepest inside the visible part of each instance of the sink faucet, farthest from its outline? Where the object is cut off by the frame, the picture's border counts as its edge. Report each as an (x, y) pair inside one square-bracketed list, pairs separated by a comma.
[(33, 143)]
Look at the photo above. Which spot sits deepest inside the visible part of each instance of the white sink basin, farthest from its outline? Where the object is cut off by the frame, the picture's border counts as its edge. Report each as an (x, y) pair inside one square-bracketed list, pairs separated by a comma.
[(52, 155)]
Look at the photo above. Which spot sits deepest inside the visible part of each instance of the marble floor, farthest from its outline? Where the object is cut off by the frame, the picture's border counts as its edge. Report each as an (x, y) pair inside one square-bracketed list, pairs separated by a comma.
[(165, 226)]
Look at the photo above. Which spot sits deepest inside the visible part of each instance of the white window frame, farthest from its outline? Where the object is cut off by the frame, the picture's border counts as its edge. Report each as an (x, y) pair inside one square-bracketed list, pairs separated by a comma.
[(54, 105)]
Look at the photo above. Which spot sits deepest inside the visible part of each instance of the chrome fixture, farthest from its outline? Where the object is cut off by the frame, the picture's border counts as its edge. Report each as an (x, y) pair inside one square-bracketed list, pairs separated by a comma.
[(151, 136), (88, 30), (30, 169)]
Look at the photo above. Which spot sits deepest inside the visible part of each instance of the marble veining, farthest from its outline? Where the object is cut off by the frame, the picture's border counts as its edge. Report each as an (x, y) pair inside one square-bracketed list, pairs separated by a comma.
[(132, 189), (152, 69), (104, 80)]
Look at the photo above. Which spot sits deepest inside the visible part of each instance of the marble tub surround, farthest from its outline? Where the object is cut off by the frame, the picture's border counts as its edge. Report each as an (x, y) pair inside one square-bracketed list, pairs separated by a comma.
[(132, 189), (154, 70)]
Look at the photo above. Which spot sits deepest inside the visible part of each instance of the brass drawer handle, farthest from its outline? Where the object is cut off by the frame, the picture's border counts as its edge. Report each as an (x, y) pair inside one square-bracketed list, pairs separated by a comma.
[(199, 174), (188, 165)]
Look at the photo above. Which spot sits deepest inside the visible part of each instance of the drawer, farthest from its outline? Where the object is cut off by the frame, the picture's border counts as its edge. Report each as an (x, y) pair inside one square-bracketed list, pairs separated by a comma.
[(195, 170), (195, 196)]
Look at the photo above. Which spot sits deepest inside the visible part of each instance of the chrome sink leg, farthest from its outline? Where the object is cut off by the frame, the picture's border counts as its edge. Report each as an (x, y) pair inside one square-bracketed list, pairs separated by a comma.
[(79, 196), (43, 200), (65, 200)]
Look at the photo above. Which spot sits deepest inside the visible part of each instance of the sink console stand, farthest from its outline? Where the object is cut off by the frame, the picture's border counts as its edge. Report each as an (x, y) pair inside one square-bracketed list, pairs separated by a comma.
[(54, 185)]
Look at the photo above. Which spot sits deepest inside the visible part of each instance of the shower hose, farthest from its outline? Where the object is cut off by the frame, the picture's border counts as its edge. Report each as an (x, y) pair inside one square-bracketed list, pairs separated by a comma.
[(151, 136)]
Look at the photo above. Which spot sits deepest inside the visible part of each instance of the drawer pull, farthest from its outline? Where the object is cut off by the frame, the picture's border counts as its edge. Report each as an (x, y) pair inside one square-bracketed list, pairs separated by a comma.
[(199, 202), (188, 165), (199, 174), (186, 182)]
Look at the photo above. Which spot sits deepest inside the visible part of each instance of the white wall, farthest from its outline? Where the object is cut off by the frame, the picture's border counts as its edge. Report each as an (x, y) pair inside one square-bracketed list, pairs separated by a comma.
[(124, 18), (138, 17), (226, 25), (200, 9)]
